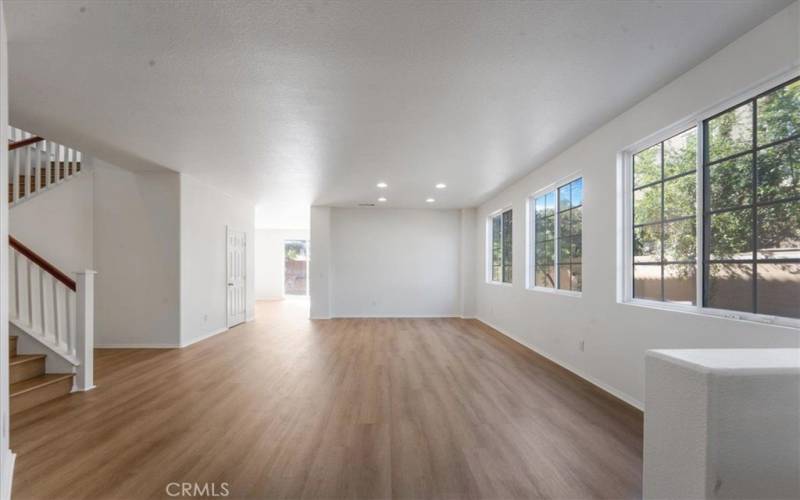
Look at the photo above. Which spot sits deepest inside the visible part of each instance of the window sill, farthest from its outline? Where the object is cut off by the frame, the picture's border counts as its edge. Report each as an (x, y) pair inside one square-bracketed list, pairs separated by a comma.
[(554, 291), (761, 319), (500, 283)]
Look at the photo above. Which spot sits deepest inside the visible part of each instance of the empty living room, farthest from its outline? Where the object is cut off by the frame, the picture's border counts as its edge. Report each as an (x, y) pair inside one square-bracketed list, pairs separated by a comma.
[(400, 249)]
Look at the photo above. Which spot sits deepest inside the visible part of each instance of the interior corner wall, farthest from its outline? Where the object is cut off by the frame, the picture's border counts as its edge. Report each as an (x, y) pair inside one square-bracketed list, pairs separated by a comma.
[(319, 267), (467, 263), (617, 335), (270, 261), (205, 212), (137, 257), (394, 262)]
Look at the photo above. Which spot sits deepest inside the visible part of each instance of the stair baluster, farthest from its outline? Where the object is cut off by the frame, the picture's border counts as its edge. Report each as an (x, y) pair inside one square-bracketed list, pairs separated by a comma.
[(54, 309), (36, 163)]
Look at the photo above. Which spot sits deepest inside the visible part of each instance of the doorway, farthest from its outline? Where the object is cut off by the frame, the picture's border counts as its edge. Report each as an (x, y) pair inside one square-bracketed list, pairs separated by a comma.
[(295, 267)]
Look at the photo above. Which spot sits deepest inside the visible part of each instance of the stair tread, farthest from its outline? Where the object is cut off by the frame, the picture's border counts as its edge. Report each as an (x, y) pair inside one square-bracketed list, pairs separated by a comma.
[(36, 382), (24, 358)]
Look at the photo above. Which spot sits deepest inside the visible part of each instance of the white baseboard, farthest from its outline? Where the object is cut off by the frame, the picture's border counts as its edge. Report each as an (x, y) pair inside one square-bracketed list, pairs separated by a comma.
[(137, 346), (611, 390), (7, 474), (162, 346), (204, 337), (395, 316)]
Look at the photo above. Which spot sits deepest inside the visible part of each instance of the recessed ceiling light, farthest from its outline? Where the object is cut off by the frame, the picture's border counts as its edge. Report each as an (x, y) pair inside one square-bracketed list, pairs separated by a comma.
[(382, 185), (382, 199), (429, 200), (441, 185)]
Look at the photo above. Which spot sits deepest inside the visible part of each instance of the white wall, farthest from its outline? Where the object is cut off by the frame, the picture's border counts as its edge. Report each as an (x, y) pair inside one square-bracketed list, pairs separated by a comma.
[(617, 335), (58, 223), (204, 214), (388, 262), (269, 260), (137, 257)]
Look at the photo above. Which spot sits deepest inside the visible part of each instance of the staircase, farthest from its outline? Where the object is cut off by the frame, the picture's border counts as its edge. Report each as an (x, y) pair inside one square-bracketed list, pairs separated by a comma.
[(51, 310), (30, 385)]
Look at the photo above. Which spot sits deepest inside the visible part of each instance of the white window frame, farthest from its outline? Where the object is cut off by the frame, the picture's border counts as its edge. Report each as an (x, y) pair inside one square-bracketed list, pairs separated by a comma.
[(530, 239), (488, 246), (625, 211)]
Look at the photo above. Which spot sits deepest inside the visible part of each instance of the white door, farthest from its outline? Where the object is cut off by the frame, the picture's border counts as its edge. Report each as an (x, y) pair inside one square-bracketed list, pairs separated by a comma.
[(237, 276)]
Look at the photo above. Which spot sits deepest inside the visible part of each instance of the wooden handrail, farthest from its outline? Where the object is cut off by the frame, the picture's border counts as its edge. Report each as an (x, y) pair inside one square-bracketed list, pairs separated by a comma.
[(39, 261), (24, 142)]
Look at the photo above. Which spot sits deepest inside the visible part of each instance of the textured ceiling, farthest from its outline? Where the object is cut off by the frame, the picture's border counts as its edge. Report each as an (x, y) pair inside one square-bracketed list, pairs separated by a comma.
[(294, 103)]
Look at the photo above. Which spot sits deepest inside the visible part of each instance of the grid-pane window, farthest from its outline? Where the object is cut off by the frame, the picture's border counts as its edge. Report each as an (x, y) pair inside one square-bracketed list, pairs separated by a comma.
[(544, 208), (500, 226), (664, 220), (507, 246), (557, 242), (569, 231), (752, 205), (497, 249)]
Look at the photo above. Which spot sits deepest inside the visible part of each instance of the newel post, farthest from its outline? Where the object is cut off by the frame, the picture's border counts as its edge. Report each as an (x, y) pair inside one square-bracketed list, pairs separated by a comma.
[(84, 346)]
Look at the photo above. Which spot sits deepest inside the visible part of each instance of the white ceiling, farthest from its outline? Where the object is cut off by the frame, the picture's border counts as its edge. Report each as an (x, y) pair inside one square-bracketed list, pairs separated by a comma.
[(300, 103)]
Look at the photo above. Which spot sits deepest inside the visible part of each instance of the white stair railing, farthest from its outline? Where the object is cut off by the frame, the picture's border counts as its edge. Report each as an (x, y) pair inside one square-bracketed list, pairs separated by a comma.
[(54, 309), (38, 164)]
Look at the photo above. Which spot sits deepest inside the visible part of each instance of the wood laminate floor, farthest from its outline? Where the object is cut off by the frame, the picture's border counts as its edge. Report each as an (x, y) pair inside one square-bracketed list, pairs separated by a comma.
[(284, 407)]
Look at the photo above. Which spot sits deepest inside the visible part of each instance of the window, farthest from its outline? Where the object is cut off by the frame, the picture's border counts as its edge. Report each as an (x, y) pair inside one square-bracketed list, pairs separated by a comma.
[(751, 221), (500, 227), (664, 220), (749, 259), (557, 244), (544, 240)]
